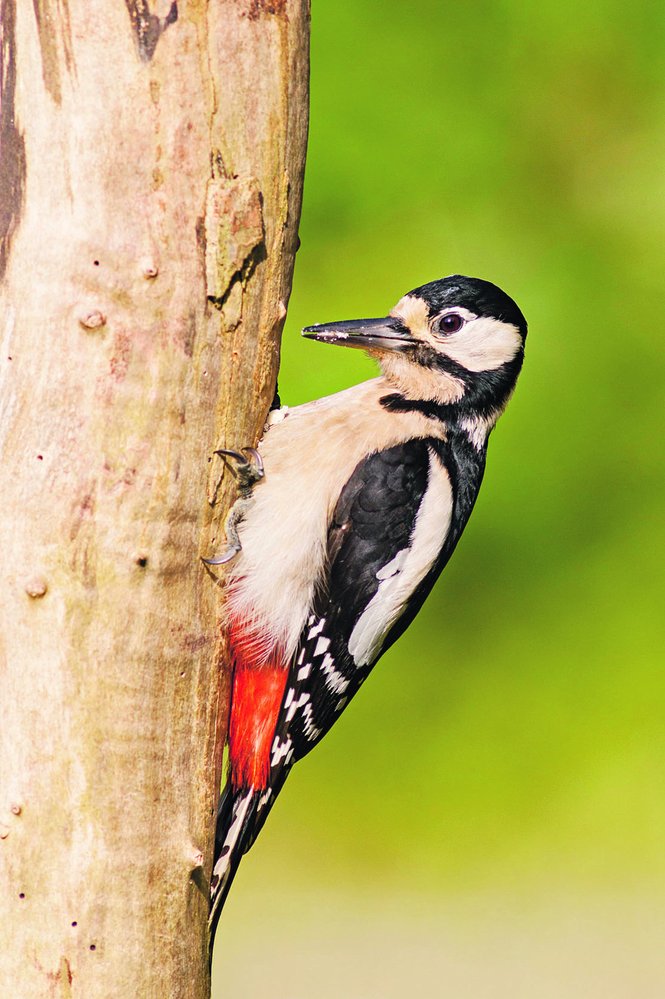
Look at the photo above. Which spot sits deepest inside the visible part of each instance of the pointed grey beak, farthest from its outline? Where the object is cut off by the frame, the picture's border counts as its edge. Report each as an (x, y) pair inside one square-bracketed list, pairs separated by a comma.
[(388, 333)]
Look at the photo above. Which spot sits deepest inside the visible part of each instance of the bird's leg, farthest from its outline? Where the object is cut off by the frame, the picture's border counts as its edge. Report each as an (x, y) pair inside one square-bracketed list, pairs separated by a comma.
[(246, 466), (233, 546)]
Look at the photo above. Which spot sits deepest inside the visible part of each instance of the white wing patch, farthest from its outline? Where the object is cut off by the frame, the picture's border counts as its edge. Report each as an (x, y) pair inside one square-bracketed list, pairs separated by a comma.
[(401, 576)]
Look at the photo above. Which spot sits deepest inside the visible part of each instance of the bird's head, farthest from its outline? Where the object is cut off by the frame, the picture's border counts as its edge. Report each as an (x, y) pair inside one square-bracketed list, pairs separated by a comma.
[(454, 342)]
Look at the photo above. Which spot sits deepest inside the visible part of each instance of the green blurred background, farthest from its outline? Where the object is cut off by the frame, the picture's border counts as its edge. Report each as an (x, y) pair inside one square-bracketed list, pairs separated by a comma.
[(488, 817)]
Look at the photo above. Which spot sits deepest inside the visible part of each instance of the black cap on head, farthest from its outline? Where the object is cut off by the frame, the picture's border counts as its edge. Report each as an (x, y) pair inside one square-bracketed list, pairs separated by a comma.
[(481, 297)]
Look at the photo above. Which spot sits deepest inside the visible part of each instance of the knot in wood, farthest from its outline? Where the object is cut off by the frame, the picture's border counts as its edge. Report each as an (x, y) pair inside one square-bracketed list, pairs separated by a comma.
[(92, 320), (35, 587), (149, 269)]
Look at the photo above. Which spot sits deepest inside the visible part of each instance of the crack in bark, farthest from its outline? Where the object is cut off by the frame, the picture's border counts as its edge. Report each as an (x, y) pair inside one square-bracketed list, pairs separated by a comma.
[(51, 16), (234, 241), (256, 256), (61, 980), (12, 145), (148, 27)]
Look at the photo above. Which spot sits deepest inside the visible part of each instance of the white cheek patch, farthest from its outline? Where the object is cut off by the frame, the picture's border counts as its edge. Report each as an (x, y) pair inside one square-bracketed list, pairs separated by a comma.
[(482, 344)]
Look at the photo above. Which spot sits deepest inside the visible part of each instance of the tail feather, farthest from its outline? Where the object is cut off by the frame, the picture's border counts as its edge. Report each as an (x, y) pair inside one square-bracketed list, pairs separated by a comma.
[(235, 825), (265, 803), (240, 818), (224, 811)]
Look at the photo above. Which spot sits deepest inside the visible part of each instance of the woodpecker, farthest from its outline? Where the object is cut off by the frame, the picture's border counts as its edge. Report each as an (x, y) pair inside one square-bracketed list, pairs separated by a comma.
[(349, 511)]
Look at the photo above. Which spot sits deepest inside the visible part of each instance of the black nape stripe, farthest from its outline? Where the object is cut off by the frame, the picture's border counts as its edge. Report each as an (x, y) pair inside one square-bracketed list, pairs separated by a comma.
[(397, 403), (485, 392)]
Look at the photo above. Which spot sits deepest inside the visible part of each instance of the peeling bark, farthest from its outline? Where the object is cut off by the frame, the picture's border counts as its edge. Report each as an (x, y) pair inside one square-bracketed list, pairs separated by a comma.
[(151, 165), (12, 146), (148, 27), (55, 42)]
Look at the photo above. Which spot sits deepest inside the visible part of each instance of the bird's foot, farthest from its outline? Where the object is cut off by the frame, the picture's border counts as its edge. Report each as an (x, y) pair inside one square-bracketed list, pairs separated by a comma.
[(247, 468), (245, 465)]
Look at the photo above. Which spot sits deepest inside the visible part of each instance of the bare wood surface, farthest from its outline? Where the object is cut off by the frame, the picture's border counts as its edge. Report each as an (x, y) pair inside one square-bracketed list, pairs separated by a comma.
[(151, 162)]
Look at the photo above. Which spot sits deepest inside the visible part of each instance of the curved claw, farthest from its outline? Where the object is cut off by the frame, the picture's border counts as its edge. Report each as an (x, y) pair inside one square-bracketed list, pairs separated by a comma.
[(256, 455), (247, 458), (236, 455), (226, 556)]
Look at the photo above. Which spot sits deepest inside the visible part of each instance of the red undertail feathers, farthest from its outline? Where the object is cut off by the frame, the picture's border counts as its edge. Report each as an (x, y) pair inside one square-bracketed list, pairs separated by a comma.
[(259, 679)]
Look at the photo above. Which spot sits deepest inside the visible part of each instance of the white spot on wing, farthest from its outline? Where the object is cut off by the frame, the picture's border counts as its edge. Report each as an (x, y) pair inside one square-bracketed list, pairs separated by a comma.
[(335, 680), (309, 728), (295, 705), (317, 629), (321, 646), (429, 533), (280, 751)]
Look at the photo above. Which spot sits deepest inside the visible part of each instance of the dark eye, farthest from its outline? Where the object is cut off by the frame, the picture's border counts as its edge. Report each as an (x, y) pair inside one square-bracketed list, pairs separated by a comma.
[(450, 323)]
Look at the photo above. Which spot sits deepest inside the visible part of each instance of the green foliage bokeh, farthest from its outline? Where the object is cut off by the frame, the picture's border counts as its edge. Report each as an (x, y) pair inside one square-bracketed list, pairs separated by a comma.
[(515, 733)]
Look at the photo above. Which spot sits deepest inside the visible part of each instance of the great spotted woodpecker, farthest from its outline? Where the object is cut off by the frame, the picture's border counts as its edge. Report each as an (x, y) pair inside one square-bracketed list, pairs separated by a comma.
[(365, 496)]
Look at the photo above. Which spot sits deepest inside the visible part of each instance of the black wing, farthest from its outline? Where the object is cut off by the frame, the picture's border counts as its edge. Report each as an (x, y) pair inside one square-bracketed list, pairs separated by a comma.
[(373, 522)]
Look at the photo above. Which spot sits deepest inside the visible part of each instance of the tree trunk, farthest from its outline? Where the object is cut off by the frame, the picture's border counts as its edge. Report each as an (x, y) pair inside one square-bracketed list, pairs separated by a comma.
[(152, 156)]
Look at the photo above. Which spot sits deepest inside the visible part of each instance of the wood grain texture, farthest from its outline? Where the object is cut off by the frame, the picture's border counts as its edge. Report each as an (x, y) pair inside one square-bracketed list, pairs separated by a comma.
[(149, 204)]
